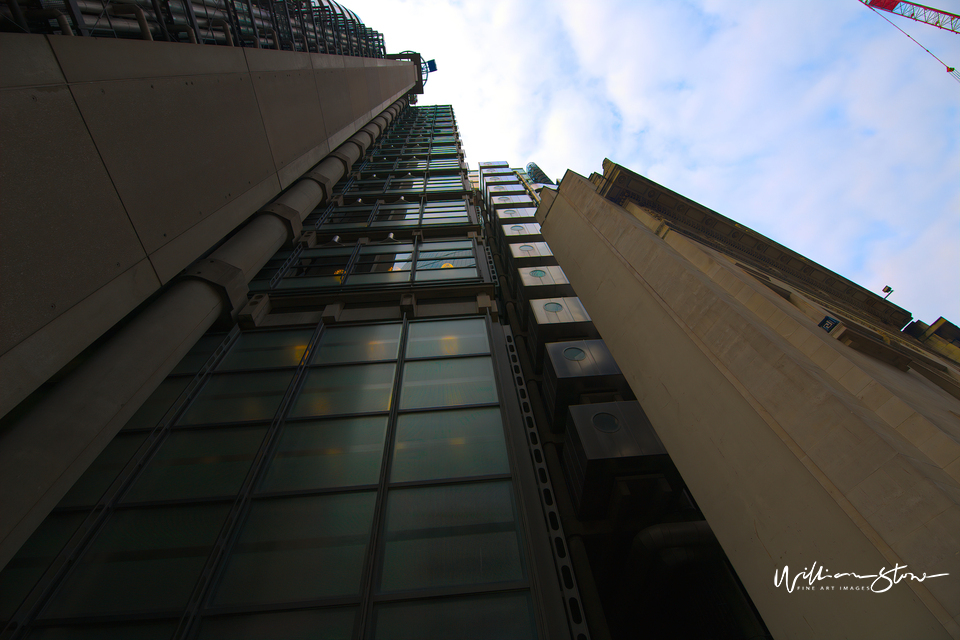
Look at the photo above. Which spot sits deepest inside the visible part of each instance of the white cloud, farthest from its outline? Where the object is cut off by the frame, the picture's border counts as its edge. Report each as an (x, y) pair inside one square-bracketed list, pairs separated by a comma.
[(815, 123)]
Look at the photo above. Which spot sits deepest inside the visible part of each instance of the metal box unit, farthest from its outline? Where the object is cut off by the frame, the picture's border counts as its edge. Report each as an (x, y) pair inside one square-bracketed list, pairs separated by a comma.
[(546, 281), (502, 190), (576, 367), (526, 254), (554, 320), (604, 441), (512, 202), (524, 232), (515, 215)]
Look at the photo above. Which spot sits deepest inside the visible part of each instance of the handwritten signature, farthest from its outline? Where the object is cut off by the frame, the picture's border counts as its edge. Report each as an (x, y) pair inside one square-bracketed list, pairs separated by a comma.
[(886, 578)]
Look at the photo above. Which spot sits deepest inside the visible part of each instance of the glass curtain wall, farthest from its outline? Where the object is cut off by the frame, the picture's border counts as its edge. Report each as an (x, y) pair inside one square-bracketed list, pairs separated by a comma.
[(348, 480)]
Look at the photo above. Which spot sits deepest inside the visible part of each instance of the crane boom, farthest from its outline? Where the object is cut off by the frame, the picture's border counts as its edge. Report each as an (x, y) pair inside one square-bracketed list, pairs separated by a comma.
[(918, 12)]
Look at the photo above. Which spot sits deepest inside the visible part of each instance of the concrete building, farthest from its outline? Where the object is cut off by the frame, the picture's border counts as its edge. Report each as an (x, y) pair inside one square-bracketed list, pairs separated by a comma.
[(810, 429)]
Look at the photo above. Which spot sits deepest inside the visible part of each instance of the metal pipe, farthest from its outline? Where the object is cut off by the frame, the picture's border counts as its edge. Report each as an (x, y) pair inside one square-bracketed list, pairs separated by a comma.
[(120, 9), (273, 34), (223, 24), (18, 15), (160, 21), (53, 13), (185, 29), (44, 452)]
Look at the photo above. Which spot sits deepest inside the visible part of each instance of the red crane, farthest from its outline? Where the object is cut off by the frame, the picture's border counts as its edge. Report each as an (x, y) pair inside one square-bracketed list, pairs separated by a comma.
[(918, 12)]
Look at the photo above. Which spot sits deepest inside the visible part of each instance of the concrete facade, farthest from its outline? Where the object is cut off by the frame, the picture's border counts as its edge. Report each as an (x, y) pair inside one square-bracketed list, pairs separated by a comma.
[(799, 445), (131, 159)]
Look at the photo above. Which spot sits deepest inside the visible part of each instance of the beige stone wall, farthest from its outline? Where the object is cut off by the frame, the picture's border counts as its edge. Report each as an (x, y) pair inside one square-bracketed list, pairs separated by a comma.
[(124, 160), (797, 448)]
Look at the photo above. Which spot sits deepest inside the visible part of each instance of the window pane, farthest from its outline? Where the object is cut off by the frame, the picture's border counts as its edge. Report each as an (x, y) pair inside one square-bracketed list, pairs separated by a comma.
[(356, 344), (312, 624), (239, 396), (146, 631), (507, 616), (295, 549), (143, 560), (337, 390), (450, 382), (267, 349), (33, 558), (104, 470), (151, 411), (447, 338), (199, 354), (450, 535), (447, 246), (449, 444), (198, 464), (331, 453), (446, 274)]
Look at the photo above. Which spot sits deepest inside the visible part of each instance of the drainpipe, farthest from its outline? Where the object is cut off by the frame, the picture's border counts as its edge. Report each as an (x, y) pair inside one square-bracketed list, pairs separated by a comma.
[(52, 13), (223, 24), (120, 9), (45, 452), (18, 15)]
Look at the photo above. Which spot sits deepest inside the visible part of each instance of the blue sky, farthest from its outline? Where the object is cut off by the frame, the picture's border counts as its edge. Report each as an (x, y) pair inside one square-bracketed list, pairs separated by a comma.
[(816, 123)]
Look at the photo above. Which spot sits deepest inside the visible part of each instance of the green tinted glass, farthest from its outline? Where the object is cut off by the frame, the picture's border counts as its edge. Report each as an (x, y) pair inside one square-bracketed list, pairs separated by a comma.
[(199, 353), (328, 624), (104, 470), (143, 560), (267, 349), (294, 549), (351, 389), (198, 464), (450, 535), (447, 338), (449, 444), (507, 616), (239, 396), (33, 558), (357, 344), (151, 411), (329, 453), (449, 382)]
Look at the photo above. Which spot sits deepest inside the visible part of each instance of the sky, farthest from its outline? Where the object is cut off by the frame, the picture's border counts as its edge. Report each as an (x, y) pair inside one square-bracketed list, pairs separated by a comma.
[(816, 123)]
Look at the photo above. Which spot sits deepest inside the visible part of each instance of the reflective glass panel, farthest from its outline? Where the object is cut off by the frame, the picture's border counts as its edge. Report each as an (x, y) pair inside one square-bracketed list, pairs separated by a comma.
[(199, 354), (445, 273), (143, 560), (33, 558), (450, 535), (151, 411), (145, 631), (447, 338), (104, 470), (448, 382), (198, 464), (311, 624), (267, 349), (507, 616), (239, 396), (449, 444), (328, 453), (294, 549), (356, 344), (351, 389)]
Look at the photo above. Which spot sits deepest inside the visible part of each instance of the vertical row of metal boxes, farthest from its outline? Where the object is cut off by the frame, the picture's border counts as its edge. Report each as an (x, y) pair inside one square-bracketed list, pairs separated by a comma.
[(588, 401)]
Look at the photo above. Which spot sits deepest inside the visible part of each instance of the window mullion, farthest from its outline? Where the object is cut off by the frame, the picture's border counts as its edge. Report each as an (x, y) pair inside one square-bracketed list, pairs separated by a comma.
[(373, 558)]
